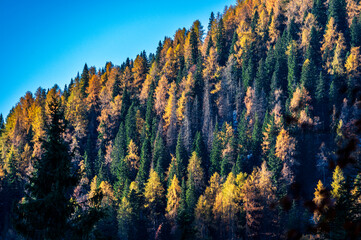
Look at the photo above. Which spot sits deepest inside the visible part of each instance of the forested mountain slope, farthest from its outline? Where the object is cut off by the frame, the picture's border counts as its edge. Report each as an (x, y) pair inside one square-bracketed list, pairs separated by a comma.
[(247, 128)]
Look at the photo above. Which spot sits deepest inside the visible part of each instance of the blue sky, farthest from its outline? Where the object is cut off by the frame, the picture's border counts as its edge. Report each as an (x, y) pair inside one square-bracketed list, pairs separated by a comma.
[(48, 42)]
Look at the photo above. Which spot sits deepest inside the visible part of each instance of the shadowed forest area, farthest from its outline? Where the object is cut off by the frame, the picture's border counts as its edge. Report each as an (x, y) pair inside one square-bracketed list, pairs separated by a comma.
[(245, 128)]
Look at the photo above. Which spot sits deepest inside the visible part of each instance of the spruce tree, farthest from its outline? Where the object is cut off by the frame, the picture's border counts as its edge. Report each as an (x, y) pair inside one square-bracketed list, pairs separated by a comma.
[(2, 124), (260, 80), (337, 10), (181, 156), (145, 161), (119, 150), (47, 206), (116, 86), (84, 80), (256, 140), (309, 76), (125, 104), (313, 49), (160, 158), (215, 155), (130, 124), (243, 145), (200, 148), (233, 44), (221, 44), (355, 30), (292, 69), (191, 198), (194, 47), (211, 20), (320, 12)]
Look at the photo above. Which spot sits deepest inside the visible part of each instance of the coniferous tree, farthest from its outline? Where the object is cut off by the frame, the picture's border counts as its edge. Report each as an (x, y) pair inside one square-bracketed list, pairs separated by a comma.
[(200, 148), (2, 124), (194, 47), (221, 44), (195, 182), (46, 210), (181, 156), (292, 68), (160, 159), (130, 124), (119, 149), (340, 193), (337, 10), (211, 20), (355, 31), (173, 199), (320, 12), (145, 162), (84, 80), (154, 199), (215, 154)]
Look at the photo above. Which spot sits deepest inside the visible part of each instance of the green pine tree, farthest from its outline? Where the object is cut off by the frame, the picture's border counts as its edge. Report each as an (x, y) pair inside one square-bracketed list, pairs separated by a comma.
[(46, 209), (221, 44), (145, 161), (84, 80), (181, 156)]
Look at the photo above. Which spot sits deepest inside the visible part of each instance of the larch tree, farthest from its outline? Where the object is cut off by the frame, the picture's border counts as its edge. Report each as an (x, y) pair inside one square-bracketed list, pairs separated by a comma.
[(154, 198), (285, 150), (169, 116), (196, 173), (160, 95), (173, 199), (258, 196), (132, 158), (139, 71)]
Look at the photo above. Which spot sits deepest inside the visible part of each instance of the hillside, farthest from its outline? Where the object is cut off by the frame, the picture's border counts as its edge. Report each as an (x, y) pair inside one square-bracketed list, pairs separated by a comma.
[(247, 128)]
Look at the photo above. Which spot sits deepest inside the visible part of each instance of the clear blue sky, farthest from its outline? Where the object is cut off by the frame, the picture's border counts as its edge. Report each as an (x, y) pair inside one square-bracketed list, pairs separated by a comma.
[(48, 42)]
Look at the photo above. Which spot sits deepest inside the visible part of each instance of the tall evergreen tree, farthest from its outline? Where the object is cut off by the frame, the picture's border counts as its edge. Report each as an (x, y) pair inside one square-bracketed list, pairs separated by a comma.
[(211, 20), (320, 12), (215, 155), (221, 44), (355, 31), (201, 150), (119, 149), (337, 10), (181, 156), (194, 47), (84, 80), (130, 124), (47, 208), (145, 162), (160, 158)]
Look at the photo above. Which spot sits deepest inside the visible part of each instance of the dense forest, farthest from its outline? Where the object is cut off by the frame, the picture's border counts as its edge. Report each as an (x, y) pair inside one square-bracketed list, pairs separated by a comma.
[(247, 128)]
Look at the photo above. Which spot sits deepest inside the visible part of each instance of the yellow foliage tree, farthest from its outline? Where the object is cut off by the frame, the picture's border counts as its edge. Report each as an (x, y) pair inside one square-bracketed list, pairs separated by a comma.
[(139, 73), (320, 197), (285, 150), (153, 193), (353, 63), (299, 104), (338, 58), (258, 195), (132, 157), (338, 183), (171, 105), (173, 199), (93, 91), (195, 171), (160, 95), (150, 78)]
